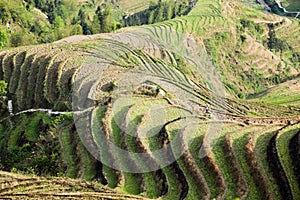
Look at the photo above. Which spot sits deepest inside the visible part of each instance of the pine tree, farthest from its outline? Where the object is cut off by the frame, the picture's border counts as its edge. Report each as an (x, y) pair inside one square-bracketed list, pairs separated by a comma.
[(83, 22), (104, 15)]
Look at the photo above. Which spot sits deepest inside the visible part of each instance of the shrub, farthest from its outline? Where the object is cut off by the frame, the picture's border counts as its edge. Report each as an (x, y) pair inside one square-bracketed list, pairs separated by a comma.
[(3, 86), (3, 39)]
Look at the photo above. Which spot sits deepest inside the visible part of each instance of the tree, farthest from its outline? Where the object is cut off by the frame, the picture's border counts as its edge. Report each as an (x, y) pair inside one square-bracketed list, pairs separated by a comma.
[(272, 38), (3, 38), (59, 30), (58, 22), (104, 15), (83, 22), (3, 86), (4, 13), (96, 28), (76, 30)]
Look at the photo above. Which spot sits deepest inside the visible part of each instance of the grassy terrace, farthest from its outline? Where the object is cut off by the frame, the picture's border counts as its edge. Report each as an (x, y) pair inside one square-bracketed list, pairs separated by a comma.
[(69, 150), (133, 119), (176, 132), (222, 159), (260, 149), (110, 174), (286, 93), (118, 113), (166, 110), (282, 145), (133, 6), (257, 157), (239, 142), (195, 148)]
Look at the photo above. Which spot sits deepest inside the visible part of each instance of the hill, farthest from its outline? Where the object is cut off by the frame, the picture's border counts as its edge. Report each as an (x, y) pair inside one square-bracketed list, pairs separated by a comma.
[(202, 106), (31, 22)]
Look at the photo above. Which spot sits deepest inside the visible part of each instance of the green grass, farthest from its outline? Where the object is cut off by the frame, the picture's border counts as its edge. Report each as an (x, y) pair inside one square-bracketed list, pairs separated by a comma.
[(193, 192), (239, 143), (260, 149), (109, 173), (221, 159), (194, 146), (89, 170), (286, 93), (119, 111), (282, 144), (172, 182), (153, 143), (68, 151), (32, 130), (16, 132), (135, 114), (291, 5)]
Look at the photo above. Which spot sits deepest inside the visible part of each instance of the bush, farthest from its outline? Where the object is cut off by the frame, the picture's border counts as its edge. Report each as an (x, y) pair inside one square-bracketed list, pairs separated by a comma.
[(3, 86), (3, 39)]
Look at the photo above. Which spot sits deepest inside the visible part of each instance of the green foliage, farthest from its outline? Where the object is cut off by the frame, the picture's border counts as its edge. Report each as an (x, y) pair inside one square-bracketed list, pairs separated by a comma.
[(273, 5), (68, 149), (3, 87), (104, 16), (29, 147), (21, 38), (3, 38), (4, 12), (275, 43)]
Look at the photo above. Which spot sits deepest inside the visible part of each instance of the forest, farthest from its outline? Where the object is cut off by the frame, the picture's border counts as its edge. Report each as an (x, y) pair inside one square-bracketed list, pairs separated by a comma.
[(42, 21)]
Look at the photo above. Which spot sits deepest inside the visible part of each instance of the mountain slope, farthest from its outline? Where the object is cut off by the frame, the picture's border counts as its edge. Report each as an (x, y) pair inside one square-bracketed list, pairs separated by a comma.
[(146, 110)]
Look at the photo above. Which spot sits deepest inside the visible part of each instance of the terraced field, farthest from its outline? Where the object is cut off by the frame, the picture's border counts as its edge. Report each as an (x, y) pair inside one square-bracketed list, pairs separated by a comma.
[(145, 114), (131, 6), (14, 186)]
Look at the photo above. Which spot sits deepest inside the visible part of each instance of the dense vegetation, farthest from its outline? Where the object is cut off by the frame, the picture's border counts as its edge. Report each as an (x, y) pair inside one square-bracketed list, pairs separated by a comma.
[(32, 22), (147, 88)]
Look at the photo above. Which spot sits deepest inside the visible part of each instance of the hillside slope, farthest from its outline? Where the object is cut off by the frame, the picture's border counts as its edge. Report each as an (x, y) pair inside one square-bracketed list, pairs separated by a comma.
[(154, 110)]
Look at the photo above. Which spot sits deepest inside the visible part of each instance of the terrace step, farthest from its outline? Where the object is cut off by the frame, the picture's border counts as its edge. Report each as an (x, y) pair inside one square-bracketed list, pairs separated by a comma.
[(282, 145), (277, 168), (294, 147), (256, 170)]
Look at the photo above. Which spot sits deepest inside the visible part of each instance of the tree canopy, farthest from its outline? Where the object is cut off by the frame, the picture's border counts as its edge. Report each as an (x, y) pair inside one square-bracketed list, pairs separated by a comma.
[(3, 86)]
